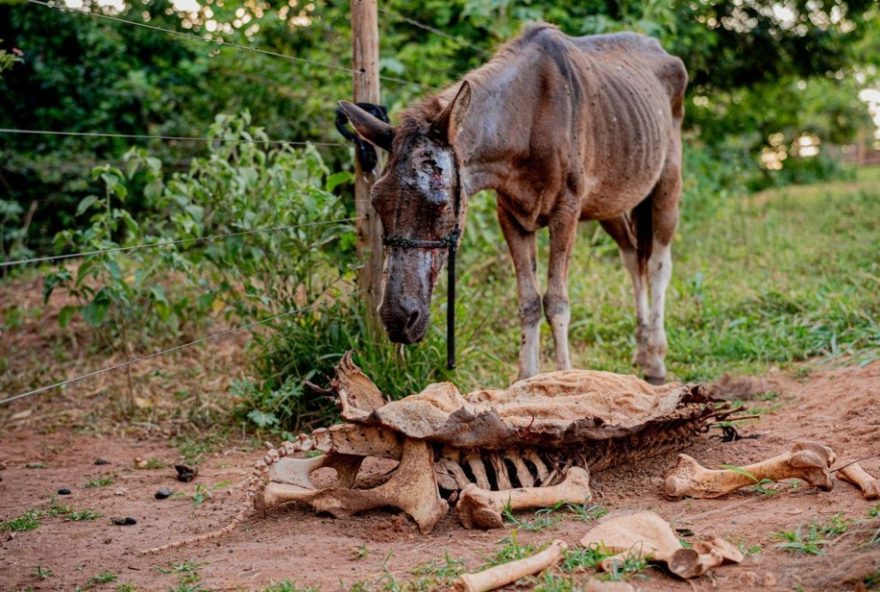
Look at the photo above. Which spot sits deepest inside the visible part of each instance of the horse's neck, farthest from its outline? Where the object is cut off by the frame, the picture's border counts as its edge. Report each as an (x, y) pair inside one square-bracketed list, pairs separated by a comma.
[(498, 128)]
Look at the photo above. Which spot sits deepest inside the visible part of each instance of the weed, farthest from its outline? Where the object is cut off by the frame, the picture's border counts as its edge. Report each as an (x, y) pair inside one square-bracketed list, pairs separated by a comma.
[(811, 539), (361, 552), (874, 512), (104, 577), (578, 558), (587, 513), (80, 515), (542, 520), (631, 564), (43, 573), (100, 481), (30, 520), (200, 495), (152, 463), (186, 567), (552, 582), (288, 586), (126, 588), (511, 551), (359, 586)]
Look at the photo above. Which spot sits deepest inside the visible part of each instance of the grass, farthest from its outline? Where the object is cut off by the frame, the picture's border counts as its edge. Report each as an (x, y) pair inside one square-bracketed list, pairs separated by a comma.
[(32, 518), (812, 538), (29, 520), (100, 481), (288, 586)]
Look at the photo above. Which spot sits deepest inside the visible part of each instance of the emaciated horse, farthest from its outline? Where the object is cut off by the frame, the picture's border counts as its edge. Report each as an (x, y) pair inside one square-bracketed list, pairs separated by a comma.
[(563, 129)]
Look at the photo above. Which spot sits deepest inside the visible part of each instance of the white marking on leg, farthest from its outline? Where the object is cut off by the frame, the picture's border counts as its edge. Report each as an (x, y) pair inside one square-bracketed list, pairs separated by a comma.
[(660, 271)]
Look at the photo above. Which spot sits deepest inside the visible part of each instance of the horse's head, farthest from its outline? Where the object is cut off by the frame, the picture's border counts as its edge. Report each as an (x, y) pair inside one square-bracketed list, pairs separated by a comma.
[(417, 199)]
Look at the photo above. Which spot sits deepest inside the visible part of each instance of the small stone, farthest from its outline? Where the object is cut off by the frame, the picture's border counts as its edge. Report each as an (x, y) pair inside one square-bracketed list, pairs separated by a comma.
[(163, 493), (64, 491), (35, 465), (101, 461), (185, 473), (127, 521)]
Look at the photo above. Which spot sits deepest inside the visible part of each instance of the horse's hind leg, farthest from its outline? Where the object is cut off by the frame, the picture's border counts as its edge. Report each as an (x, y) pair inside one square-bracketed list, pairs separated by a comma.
[(664, 201), (622, 233)]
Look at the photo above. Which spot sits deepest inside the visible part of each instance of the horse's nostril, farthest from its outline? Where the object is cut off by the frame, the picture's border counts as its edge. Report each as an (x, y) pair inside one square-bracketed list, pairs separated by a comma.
[(412, 319)]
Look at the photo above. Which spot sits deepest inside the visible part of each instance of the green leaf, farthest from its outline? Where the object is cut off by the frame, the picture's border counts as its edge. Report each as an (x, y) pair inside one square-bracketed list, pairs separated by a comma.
[(262, 419), (337, 179), (65, 314), (85, 204)]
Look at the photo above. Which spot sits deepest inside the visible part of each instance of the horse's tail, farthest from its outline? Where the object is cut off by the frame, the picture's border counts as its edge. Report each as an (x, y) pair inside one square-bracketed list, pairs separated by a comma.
[(643, 216)]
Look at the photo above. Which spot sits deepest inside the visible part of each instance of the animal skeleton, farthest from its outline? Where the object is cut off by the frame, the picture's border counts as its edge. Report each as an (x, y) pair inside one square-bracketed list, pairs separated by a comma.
[(531, 445)]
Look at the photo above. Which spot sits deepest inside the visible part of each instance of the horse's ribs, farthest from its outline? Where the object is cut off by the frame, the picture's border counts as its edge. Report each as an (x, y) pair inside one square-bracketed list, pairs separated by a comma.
[(532, 445)]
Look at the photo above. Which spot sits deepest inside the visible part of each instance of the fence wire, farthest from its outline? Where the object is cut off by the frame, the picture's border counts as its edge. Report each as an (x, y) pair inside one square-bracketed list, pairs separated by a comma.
[(160, 353), (219, 42), (157, 137), (210, 237), (457, 40)]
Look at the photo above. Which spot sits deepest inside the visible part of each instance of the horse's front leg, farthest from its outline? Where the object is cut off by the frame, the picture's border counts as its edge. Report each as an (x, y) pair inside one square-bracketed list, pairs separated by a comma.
[(521, 243), (556, 307)]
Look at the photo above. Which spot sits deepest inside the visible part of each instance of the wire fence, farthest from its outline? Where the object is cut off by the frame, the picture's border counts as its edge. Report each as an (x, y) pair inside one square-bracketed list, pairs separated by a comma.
[(32, 132), (182, 241), (218, 42), (212, 237), (139, 359)]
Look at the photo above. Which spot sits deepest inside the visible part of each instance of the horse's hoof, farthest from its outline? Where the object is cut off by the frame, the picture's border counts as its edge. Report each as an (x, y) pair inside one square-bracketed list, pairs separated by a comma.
[(655, 380)]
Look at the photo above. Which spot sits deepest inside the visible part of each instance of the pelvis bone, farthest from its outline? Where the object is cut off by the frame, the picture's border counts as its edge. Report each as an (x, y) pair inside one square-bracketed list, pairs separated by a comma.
[(808, 461)]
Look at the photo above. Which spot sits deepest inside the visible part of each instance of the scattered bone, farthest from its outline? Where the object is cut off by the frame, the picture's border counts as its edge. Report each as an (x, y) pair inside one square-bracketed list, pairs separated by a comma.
[(646, 535), (481, 508), (501, 575), (808, 461), (859, 477)]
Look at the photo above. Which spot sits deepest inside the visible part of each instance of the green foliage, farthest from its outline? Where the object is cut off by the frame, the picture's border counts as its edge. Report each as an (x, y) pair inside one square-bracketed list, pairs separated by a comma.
[(511, 550), (812, 538), (29, 520), (100, 481), (288, 586)]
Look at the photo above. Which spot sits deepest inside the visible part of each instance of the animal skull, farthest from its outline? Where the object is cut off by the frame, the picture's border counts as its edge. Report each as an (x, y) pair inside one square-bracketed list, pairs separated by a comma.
[(808, 461)]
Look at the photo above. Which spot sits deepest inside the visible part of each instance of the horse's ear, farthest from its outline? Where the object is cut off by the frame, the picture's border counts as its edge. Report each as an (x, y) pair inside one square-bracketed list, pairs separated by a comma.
[(450, 120), (369, 127)]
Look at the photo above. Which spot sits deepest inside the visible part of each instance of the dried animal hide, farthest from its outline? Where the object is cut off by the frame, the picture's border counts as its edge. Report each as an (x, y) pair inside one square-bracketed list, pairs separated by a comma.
[(530, 445)]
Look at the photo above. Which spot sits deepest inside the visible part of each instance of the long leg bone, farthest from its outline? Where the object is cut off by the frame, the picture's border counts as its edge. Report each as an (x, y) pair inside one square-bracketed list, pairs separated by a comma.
[(808, 461), (481, 508), (412, 488), (504, 574), (859, 477)]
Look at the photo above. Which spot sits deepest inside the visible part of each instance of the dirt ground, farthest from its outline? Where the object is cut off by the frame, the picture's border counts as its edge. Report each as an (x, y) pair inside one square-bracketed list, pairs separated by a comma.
[(836, 406)]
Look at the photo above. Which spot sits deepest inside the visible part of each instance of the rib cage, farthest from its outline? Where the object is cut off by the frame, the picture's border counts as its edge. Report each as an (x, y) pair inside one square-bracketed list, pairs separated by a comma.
[(537, 467)]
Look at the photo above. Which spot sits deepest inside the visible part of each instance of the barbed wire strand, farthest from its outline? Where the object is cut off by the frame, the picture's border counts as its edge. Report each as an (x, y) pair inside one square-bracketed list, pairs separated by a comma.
[(209, 237), (157, 354), (457, 40), (157, 137), (219, 42)]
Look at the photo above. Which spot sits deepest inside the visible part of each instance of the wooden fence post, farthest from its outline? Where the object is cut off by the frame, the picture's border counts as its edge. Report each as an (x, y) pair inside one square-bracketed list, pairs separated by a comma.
[(365, 60)]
